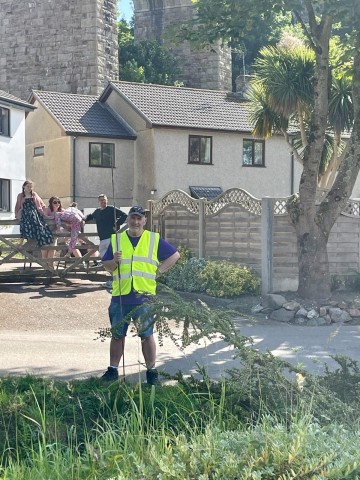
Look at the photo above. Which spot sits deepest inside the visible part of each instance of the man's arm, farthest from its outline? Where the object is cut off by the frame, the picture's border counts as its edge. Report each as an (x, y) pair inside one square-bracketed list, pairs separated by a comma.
[(110, 261), (110, 265), (120, 217), (89, 216), (169, 262)]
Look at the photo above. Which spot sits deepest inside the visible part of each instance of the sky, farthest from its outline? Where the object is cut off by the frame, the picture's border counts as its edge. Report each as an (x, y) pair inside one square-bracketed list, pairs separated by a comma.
[(125, 8)]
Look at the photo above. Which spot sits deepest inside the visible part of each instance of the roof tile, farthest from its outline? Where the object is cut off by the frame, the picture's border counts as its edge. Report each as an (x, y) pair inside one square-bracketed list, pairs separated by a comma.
[(82, 114), (187, 107)]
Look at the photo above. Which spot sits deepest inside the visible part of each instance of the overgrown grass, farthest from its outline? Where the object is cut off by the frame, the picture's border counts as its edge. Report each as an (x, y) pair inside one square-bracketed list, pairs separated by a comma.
[(164, 433), (267, 420)]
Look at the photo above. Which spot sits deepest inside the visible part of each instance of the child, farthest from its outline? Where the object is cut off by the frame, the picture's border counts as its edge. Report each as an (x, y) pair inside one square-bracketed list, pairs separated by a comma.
[(74, 217)]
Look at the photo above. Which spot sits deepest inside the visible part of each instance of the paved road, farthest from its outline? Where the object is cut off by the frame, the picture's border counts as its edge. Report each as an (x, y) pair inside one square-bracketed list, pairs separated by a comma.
[(50, 331)]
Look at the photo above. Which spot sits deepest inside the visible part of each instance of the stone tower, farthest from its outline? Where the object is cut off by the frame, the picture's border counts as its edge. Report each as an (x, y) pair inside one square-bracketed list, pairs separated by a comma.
[(61, 45), (199, 69)]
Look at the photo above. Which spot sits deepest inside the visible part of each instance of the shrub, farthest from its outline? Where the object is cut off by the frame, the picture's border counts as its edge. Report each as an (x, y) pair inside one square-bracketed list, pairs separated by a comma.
[(185, 276), (185, 254), (225, 279), (219, 278)]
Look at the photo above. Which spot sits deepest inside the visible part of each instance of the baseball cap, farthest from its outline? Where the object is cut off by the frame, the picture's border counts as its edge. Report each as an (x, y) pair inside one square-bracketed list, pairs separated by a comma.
[(137, 210)]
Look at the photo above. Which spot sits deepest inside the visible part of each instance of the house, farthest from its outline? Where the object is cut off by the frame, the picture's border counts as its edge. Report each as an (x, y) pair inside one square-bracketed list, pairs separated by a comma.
[(159, 138), (73, 141), (12, 150)]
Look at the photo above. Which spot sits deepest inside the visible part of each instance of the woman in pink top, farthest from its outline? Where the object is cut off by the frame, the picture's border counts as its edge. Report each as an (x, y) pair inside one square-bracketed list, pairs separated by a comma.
[(55, 211), (29, 209)]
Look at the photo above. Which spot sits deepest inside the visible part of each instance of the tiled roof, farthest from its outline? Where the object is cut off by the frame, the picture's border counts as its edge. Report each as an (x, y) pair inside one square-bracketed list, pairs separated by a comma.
[(185, 107), (11, 99), (82, 115)]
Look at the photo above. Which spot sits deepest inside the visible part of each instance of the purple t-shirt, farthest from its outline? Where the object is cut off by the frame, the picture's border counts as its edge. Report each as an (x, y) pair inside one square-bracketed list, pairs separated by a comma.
[(165, 250)]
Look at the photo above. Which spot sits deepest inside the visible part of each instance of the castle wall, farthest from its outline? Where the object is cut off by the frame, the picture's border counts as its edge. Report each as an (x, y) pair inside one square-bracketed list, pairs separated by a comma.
[(199, 69), (61, 45)]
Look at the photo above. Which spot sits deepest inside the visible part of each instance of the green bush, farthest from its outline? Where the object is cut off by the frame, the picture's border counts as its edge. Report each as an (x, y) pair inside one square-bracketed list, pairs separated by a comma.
[(185, 276), (225, 279), (218, 278), (185, 254)]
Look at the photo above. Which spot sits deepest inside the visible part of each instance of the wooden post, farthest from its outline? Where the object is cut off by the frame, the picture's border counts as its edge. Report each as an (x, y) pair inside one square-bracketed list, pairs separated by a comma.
[(267, 218), (202, 226)]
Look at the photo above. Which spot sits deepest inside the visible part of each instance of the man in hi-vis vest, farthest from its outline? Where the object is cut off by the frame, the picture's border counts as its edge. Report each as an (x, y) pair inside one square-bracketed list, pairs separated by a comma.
[(142, 255)]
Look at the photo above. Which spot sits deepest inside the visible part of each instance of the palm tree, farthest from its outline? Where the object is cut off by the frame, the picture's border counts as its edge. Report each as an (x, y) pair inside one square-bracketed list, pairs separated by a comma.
[(282, 94)]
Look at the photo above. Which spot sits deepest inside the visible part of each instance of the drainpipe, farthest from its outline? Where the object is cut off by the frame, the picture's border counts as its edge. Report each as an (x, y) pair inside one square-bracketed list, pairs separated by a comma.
[(74, 170), (292, 172)]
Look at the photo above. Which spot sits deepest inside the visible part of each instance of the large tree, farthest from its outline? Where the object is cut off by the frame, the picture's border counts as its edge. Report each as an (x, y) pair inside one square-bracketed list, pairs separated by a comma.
[(144, 61), (228, 19)]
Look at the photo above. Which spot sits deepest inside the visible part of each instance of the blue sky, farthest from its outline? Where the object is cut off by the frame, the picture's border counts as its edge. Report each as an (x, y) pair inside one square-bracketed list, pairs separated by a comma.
[(125, 8)]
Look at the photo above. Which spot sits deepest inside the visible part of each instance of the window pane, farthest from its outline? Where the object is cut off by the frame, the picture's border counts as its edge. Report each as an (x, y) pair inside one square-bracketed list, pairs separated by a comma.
[(4, 195), (247, 152), (108, 154), (194, 149), (4, 121), (258, 153), (95, 154), (38, 151), (205, 155)]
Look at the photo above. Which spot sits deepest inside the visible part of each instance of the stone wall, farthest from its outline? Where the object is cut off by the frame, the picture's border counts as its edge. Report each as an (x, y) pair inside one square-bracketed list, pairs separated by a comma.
[(61, 45), (199, 69)]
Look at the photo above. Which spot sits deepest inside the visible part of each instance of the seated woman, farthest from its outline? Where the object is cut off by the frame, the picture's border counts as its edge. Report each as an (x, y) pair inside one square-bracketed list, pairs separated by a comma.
[(55, 211), (30, 210)]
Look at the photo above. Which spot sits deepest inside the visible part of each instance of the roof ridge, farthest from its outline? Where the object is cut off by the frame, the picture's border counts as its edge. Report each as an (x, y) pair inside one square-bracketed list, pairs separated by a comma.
[(174, 87), (66, 93)]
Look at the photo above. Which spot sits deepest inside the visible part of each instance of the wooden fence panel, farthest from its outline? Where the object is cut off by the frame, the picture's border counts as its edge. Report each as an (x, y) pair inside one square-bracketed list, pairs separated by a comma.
[(179, 227), (344, 246), (285, 260), (234, 234)]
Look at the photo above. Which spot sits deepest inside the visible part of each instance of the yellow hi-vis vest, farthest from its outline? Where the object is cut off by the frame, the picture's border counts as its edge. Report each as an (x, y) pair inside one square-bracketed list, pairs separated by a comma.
[(138, 265)]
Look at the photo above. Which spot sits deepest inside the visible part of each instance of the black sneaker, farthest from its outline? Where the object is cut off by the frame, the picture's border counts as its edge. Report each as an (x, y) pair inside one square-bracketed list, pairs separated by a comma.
[(152, 377), (110, 375)]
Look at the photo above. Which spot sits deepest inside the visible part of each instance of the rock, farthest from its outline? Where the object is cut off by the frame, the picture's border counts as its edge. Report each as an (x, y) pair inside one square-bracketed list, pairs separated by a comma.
[(300, 320), (323, 320), (337, 315), (312, 314), (302, 312), (354, 312), (322, 311), (291, 305), (273, 301), (312, 322), (282, 315), (266, 311), (257, 308)]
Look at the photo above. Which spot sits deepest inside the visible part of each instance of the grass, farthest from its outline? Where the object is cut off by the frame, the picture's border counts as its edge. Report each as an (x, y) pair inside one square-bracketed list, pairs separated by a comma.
[(196, 429), (267, 420)]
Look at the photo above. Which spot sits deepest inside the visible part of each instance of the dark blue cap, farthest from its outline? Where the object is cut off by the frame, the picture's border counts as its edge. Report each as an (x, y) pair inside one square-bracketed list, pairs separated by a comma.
[(137, 210)]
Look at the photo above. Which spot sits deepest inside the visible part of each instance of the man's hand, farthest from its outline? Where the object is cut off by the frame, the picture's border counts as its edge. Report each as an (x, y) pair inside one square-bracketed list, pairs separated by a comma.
[(110, 265), (117, 256)]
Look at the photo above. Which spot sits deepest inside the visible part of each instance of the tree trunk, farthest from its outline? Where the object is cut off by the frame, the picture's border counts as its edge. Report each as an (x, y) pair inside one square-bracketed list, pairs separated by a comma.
[(314, 274)]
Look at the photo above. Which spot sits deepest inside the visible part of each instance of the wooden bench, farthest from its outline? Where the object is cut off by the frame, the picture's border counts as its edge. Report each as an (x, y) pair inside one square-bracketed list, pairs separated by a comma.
[(18, 255)]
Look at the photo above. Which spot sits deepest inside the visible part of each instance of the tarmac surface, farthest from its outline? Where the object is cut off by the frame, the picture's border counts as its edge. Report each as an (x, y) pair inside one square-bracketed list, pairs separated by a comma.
[(51, 331)]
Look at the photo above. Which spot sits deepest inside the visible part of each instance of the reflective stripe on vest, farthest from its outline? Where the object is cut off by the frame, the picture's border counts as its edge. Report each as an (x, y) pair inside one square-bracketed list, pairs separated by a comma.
[(138, 266)]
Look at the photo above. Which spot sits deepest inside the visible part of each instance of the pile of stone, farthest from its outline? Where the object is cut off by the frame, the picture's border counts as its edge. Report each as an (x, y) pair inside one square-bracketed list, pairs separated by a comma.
[(278, 308)]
